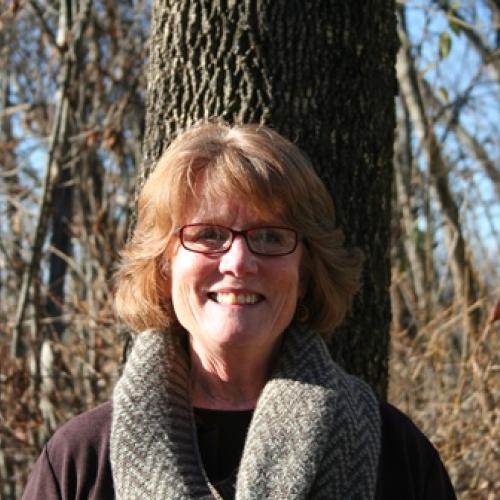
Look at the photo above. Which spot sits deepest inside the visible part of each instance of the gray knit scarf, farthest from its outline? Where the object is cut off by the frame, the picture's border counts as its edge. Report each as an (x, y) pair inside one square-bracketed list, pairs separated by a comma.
[(315, 432)]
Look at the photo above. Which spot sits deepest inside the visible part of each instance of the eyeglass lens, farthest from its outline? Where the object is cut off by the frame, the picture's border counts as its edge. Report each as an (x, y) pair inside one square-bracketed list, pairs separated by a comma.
[(208, 238)]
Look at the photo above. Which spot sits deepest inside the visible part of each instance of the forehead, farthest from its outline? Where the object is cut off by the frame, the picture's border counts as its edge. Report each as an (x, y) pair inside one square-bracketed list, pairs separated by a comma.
[(236, 214), (215, 196)]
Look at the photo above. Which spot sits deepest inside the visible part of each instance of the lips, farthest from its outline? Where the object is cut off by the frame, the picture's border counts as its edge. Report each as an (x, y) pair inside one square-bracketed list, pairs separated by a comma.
[(235, 298)]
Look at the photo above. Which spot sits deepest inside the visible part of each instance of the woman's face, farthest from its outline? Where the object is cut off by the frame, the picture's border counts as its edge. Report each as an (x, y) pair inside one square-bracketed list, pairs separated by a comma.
[(234, 298)]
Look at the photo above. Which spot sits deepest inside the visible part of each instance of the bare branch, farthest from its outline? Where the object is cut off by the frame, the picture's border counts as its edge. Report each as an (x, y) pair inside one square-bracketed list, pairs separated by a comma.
[(452, 122), (489, 57), (53, 169), (462, 272), (46, 28)]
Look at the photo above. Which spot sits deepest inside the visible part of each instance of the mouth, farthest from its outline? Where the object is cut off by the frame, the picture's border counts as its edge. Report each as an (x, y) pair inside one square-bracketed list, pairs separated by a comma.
[(234, 298)]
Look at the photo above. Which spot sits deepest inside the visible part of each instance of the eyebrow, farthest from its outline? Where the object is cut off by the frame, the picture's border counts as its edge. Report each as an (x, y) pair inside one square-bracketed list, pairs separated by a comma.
[(251, 225)]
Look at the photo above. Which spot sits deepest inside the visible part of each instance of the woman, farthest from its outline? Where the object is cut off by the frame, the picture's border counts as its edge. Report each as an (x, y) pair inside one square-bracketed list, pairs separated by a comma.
[(234, 271)]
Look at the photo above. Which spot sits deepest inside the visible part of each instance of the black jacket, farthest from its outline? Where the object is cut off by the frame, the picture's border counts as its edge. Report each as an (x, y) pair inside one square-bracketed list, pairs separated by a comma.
[(75, 462)]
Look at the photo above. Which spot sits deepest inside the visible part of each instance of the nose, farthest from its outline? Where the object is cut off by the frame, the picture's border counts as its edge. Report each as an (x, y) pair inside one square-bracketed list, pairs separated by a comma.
[(238, 260)]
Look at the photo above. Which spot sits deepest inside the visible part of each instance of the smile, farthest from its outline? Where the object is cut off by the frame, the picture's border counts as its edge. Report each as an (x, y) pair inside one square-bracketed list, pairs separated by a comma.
[(233, 298)]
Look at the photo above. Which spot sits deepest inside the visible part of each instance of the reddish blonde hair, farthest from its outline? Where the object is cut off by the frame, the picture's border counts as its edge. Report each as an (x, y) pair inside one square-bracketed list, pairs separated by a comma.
[(268, 172)]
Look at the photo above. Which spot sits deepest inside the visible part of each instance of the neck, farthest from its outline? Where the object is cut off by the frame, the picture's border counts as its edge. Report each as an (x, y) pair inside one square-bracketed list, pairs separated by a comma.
[(228, 379)]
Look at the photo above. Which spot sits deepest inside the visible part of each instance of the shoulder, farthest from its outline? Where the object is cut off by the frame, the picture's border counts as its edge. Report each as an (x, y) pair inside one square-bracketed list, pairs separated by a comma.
[(398, 428), (75, 461), (83, 435), (409, 465), (89, 427)]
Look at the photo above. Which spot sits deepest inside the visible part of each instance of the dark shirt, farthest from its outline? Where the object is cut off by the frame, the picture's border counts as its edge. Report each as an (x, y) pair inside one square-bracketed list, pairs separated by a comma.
[(221, 438), (75, 462)]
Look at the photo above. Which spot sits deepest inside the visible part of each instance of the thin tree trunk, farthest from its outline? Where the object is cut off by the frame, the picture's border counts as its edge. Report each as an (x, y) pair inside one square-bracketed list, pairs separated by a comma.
[(51, 174), (13, 221), (71, 25), (91, 207), (320, 73), (61, 241), (403, 178), (463, 275)]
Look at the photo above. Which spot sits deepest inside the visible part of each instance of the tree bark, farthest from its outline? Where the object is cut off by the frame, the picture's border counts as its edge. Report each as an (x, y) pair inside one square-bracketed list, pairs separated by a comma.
[(322, 74)]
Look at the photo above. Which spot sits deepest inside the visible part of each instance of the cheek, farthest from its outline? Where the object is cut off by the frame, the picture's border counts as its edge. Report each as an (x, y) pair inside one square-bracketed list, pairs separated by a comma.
[(287, 284), (189, 271), (180, 278), (185, 300)]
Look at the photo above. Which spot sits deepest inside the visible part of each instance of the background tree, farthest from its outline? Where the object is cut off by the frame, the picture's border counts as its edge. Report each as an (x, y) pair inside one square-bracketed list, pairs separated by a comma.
[(71, 82), (322, 74), (319, 89), (445, 234)]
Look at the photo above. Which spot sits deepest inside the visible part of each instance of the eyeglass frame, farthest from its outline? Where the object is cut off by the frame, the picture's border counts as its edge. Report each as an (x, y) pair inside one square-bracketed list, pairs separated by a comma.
[(179, 231)]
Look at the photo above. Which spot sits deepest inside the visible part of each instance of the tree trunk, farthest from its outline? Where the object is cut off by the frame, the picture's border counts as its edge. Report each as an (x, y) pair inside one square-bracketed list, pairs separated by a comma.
[(61, 241), (68, 39), (12, 221), (322, 74), (403, 173), (463, 274)]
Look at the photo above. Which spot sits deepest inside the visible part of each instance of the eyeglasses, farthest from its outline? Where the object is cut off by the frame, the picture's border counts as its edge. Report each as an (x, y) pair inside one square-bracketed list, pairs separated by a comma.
[(264, 240)]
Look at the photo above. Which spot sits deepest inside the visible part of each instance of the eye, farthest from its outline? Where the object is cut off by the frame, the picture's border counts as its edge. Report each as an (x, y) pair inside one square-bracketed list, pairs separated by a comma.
[(205, 237), (272, 240), (268, 235), (267, 238), (208, 234)]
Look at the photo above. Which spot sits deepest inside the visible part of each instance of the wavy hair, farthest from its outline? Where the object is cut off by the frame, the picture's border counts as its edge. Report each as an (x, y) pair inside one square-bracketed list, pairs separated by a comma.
[(213, 161)]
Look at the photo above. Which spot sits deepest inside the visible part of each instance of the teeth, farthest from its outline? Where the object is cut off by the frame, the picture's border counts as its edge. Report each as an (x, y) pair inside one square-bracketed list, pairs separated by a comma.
[(233, 298)]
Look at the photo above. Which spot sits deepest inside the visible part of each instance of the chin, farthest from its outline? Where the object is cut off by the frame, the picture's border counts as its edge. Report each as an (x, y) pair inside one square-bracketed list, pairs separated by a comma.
[(226, 337)]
